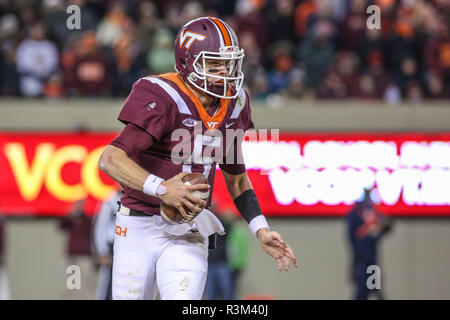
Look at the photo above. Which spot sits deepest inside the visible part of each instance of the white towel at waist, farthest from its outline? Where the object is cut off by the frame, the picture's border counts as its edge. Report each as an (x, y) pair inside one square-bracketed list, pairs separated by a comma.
[(205, 222)]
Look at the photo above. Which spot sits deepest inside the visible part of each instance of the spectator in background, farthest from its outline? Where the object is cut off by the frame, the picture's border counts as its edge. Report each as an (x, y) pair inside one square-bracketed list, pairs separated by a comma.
[(54, 88), (353, 26), (89, 17), (414, 93), (407, 74), (323, 16), (296, 87), (401, 42), (224, 8), (365, 227), (416, 30), (164, 4), (120, 49), (238, 249), (388, 8), (37, 58), (437, 51), (86, 68), (190, 11), (77, 226), (370, 47), (253, 55), (259, 87), (103, 239), (110, 27), (332, 87), (128, 62), (303, 11), (392, 94), (148, 24), (173, 18), (341, 79), (68, 60), (9, 40), (436, 87), (54, 13), (347, 66), (228, 260), (361, 86), (218, 284), (316, 53), (27, 16), (339, 9), (250, 18), (366, 88), (160, 58), (4, 285), (279, 77), (280, 19), (377, 70)]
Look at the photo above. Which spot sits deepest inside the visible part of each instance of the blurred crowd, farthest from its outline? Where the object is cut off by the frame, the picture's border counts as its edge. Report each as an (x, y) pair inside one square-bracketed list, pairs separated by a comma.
[(296, 48)]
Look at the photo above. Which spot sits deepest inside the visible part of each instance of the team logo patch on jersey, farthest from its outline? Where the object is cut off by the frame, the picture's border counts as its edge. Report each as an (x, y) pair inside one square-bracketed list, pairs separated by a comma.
[(151, 106), (212, 124), (189, 122)]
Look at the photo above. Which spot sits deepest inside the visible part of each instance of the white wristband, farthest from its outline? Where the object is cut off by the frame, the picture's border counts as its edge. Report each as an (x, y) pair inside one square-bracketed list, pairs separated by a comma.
[(257, 223), (151, 185)]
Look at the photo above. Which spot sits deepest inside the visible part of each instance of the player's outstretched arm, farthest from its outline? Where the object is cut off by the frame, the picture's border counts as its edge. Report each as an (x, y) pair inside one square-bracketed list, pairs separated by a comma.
[(274, 245), (244, 197), (115, 163)]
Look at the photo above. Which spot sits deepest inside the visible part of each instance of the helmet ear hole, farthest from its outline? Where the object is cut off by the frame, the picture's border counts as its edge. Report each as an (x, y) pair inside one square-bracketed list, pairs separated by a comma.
[(182, 61)]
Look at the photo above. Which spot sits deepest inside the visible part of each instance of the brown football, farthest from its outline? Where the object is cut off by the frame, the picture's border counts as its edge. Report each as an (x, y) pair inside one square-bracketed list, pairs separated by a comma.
[(171, 214)]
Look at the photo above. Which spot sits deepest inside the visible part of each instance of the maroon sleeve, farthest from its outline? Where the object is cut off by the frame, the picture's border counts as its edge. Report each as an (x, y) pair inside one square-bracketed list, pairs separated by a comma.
[(234, 167), (133, 139), (149, 107), (247, 114)]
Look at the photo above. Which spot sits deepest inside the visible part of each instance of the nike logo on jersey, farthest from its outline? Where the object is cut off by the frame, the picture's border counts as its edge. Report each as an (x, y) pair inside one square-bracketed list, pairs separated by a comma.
[(227, 125)]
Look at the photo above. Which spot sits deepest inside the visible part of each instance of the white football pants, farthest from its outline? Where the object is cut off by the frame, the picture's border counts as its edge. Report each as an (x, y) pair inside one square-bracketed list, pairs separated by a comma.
[(146, 259)]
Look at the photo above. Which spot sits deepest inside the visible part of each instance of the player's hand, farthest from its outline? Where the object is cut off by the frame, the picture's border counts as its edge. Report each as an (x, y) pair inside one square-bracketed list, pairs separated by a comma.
[(179, 195), (274, 245)]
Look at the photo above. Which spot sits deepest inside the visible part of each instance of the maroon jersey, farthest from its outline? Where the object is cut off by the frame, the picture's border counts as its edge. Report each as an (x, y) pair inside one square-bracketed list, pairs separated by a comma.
[(184, 136)]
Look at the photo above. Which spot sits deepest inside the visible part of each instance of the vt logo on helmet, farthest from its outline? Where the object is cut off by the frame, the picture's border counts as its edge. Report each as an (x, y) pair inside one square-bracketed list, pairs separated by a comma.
[(208, 57), (191, 37)]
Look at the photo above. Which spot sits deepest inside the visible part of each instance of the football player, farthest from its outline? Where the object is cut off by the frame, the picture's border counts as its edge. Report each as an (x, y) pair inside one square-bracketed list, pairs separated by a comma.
[(201, 101)]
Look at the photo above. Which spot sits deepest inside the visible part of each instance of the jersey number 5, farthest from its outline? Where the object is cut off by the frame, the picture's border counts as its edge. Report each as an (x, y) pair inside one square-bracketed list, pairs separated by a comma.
[(202, 151)]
